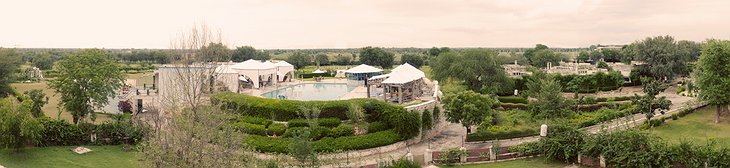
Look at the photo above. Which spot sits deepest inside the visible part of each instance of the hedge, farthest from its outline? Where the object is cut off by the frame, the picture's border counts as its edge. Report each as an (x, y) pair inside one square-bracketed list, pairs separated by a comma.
[(594, 107), (342, 130), (376, 127), (401, 121), (249, 128), (510, 106), (255, 120), (328, 144), (500, 134), (512, 99), (276, 129), (314, 133), (62, 133), (298, 123), (329, 122)]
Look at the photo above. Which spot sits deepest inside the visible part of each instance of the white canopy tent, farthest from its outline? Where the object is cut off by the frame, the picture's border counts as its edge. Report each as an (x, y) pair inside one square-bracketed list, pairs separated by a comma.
[(256, 71), (282, 69), (362, 68), (403, 74), (318, 71)]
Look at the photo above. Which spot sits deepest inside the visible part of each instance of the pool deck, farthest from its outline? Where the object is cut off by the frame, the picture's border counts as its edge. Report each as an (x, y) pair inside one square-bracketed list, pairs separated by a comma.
[(358, 92)]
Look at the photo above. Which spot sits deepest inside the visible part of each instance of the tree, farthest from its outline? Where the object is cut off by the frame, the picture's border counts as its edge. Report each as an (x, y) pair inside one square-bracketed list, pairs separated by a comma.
[(413, 59), (342, 59), (299, 60), (468, 108), (18, 128), (322, 59), (376, 56), (648, 104), (549, 101), (595, 56), (216, 52), (603, 65), (713, 71), (434, 51), (244, 53), (627, 53), (476, 67), (583, 56), (611, 55), (543, 56), (38, 100), (43, 61), (689, 49), (426, 120), (661, 55), (86, 80), (9, 62)]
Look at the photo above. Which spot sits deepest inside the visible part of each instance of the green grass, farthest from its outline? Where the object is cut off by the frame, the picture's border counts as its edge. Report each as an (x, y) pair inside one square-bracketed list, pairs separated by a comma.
[(698, 127), (62, 156), (536, 162)]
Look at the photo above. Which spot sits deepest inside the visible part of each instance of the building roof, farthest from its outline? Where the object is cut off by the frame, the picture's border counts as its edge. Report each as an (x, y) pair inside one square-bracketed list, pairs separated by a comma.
[(283, 64), (318, 71), (225, 69), (253, 64), (362, 68), (403, 74)]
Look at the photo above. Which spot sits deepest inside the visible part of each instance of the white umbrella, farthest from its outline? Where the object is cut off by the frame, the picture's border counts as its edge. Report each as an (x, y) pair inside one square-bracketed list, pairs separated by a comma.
[(318, 71)]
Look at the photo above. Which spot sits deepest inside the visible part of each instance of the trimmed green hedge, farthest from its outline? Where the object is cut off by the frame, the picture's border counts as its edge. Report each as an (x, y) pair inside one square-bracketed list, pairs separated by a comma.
[(376, 127), (510, 106), (401, 121), (249, 128), (255, 120), (315, 133), (276, 129), (62, 133), (512, 99), (500, 134), (298, 123), (329, 122), (281, 145), (342, 130)]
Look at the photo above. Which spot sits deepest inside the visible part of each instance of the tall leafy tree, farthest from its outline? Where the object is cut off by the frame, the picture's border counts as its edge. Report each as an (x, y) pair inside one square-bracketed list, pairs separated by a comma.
[(648, 104), (86, 80), (43, 61), (529, 53), (9, 62), (376, 56), (38, 100), (322, 59), (468, 108), (611, 55), (549, 101), (434, 51), (661, 55), (343, 59), (413, 59), (627, 53), (18, 128), (541, 57), (583, 56), (713, 71), (299, 60), (476, 67), (689, 49), (216, 52), (244, 53)]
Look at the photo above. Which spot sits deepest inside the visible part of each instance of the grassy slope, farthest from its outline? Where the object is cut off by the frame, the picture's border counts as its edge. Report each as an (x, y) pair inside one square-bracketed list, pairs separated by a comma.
[(537, 162), (62, 156), (697, 127)]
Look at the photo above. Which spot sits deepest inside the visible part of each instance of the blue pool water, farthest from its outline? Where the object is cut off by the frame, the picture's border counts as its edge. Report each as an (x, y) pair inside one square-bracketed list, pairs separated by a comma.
[(311, 91)]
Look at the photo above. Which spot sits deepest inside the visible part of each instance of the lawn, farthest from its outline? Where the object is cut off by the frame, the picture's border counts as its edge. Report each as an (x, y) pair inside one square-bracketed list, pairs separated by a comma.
[(536, 162), (698, 127), (62, 156)]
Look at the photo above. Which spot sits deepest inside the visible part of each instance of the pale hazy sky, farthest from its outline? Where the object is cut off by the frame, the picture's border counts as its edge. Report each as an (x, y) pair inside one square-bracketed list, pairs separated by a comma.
[(352, 24)]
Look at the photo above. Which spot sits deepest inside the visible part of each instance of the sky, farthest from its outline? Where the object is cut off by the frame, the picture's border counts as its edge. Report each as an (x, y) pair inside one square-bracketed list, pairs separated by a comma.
[(270, 24)]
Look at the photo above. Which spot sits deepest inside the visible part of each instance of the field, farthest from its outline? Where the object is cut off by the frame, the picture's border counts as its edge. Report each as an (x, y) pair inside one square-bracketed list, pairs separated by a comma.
[(537, 162), (698, 127), (62, 156)]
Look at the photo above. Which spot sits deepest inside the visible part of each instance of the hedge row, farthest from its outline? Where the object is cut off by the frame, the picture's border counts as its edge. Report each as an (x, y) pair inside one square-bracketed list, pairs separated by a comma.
[(512, 99), (329, 122), (511, 106), (401, 121), (62, 133), (313, 133), (500, 134), (276, 129), (376, 127), (298, 123), (281, 145), (594, 107), (255, 120), (311, 75), (342, 130), (249, 128)]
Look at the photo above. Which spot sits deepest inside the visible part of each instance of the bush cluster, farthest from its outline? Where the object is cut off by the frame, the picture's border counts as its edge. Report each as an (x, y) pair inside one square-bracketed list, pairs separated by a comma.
[(328, 144), (329, 122), (276, 129), (62, 133), (312, 133), (376, 127), (500, 132), (255, 120), (342, 130), (249, 128), (298, 123)]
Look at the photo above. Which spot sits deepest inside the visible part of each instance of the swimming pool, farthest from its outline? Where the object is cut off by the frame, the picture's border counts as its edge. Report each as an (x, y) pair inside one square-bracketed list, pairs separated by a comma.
[(311, 91)]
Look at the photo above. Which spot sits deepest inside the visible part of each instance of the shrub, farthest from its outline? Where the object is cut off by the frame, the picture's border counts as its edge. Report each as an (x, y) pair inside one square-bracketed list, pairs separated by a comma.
[(342, 130), (680, 90), (601, 99), (249, 128), (313, 133), (276, 129), (329, 122), (255, 120), (656, 122), (62, 133), (500, 132), (376, 127), (268, 144), (426, 123), (512, 99), (298, 123), (357, 142), (590, 100), (510, 106), (674, 116)]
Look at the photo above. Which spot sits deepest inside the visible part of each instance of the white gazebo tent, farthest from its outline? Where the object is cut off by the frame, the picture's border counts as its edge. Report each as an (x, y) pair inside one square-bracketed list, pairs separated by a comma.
[(405, 82), (228, 76), (256, 71), (318, 71), (283, 69), (362, 72)]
